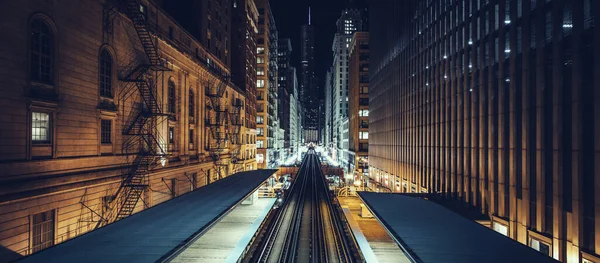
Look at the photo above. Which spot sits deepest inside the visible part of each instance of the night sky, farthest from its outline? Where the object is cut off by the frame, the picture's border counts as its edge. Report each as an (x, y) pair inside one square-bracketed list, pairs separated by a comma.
[(290, 15)]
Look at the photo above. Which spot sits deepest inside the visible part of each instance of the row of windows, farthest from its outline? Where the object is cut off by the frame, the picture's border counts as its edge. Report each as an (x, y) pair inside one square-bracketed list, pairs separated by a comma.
[(42, 126)]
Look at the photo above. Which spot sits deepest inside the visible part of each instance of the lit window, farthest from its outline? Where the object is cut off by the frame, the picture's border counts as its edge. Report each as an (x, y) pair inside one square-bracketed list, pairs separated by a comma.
[(260, 50), (260, 60), (260, 144), (260, 83), (501, 228), (40, 128), (363, 113), (260, 71), (260, 131), (260, 119), (171, 134), (42, 52), (363, 135), (539, 246)]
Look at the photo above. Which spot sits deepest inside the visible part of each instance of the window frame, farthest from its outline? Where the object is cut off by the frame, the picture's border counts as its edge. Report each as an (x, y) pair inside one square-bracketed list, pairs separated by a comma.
[(110, 130), (49, 132), (32, 225), (171, 97), (105, 50), (53, 49)]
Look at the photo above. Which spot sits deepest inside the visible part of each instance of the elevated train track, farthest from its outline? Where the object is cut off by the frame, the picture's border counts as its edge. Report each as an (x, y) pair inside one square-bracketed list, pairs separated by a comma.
[(307, 228)]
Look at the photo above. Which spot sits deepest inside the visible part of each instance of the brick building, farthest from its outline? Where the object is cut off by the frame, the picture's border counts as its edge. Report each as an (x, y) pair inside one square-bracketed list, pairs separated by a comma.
[(493, 104), (101, 118)]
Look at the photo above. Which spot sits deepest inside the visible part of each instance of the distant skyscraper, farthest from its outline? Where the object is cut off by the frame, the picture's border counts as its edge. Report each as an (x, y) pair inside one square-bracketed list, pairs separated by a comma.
[(308, 89)]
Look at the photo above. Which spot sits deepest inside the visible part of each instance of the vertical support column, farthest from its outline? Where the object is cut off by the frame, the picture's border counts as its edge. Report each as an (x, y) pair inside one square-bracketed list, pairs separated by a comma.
[(513, 140), (523, 211), (557, 135)]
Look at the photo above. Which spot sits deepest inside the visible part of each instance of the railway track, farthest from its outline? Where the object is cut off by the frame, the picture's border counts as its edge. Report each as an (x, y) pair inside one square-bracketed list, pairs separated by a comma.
[(307, 228)]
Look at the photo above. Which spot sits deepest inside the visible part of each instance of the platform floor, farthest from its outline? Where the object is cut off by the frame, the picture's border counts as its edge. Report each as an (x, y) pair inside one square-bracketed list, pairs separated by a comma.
[(381, 244), (226, 240)]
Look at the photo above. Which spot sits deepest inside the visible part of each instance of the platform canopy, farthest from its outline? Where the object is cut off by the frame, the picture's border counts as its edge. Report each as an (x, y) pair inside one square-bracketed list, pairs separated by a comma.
[(431, 233), (156, 233)]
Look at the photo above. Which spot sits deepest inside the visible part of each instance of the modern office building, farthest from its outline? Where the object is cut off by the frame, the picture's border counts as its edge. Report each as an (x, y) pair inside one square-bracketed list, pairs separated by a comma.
[(267, 124), (358, 105), (493, 104), (350, 21), (285, 83), (295, 117), (327, 136), (309, 92), (243, 50), (105, 117)]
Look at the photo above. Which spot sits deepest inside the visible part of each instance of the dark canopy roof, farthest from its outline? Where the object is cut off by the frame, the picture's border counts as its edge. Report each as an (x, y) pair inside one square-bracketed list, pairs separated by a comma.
[(431, 233), (157, 232)]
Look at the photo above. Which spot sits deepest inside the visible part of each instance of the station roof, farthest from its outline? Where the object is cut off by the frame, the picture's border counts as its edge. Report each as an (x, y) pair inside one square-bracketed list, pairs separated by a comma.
[(431, 233), (153, 234)]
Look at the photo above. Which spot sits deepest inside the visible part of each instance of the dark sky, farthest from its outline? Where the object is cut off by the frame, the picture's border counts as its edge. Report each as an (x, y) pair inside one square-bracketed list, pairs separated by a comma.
[(290, 15)]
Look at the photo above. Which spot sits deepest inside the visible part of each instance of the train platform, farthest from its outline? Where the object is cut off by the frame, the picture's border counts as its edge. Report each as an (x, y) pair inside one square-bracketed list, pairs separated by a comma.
[(430, 233), (375, 243), (164, 231)]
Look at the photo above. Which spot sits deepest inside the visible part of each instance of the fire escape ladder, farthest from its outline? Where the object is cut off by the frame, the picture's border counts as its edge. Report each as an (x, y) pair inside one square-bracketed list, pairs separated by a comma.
[(235, 120), (141, 129), (218, 123)]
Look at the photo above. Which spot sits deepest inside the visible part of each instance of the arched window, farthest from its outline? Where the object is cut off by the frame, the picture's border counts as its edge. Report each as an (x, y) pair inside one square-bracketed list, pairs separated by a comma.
[(192, 105), (42, 52), (171, 102), (106, 63)]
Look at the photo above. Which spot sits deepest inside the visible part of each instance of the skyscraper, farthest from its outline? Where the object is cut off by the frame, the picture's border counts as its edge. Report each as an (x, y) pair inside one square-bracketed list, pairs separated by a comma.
[(308, 89), (266, 84), (350, 21)]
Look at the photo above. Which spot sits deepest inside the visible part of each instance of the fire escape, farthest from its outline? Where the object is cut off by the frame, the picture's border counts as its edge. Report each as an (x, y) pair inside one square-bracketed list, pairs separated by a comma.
[(236, 120), (140, 131), (218, 123)]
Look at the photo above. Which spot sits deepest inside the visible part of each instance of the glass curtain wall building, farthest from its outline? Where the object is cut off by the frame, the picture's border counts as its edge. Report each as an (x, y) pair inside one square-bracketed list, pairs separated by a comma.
[(492, 103)]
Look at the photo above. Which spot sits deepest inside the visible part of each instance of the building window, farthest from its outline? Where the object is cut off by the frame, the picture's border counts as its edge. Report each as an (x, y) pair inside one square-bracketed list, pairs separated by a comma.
[(43, 231), (500, 228), (363, 113), (42, 51), (363, 135), (260, 60), (539, 246), (41, 127), (191, 136), (260, 120), (260, 131), (260, 71), (171, 102), (192, 105), (260, 83), (260, 144), (364, 90), (106, 131), (106, 74), (171, 134), (260, 50)]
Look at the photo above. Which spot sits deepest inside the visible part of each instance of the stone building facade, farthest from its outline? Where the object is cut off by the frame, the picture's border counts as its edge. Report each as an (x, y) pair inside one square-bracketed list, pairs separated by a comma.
[(494, 104), (66, 102)]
